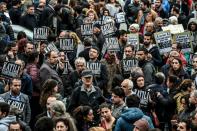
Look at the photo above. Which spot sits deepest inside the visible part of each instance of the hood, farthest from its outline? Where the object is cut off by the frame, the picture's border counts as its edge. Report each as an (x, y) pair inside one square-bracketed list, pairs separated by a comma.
[(190, 21), (7, 120), (132, 114)]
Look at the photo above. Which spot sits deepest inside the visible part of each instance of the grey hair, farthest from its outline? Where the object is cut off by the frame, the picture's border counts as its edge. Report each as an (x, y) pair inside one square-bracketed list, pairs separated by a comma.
[(58, 107), (52, 2), (80, 60), (130, 83)]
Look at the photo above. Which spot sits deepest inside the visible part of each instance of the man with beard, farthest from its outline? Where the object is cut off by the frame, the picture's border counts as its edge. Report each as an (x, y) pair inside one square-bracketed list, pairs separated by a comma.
[(98, 37), (107, 120), (52, 69), (99, 70), (122, 39), (147, 67), (160, 9), (28, 20), (29, 47), (129, 61), (153, 50), (16, 98)]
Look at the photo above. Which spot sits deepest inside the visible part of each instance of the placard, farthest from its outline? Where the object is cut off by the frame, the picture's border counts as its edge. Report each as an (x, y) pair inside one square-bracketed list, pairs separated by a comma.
[(87, 29), (95, 67), (10, 70), (18, 104), (50, 47), (41, 33), (185, 40), (111, 44), (105, 19), (128, 64), (133, 39), (66, 44), (120, 17), (174, 29), (108, 29), (164, 41)]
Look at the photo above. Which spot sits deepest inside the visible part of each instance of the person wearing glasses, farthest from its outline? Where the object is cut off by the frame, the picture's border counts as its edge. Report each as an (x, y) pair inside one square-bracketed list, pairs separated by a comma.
[(129, 61)]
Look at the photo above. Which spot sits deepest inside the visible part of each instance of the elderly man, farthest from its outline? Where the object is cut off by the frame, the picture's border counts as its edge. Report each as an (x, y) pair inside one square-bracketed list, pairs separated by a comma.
[(86, 94)]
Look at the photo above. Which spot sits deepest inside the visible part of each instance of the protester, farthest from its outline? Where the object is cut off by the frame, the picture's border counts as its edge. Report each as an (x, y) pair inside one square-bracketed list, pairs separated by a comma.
[(78, 52)]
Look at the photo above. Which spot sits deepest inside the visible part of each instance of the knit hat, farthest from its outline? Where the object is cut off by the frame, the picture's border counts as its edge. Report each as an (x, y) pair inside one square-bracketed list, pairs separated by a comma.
[(173, 19), (141, 124), (136, 26)]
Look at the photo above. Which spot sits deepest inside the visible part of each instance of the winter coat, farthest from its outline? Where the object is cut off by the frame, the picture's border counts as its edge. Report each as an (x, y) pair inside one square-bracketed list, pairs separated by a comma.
[(4, 122), (128, 117)]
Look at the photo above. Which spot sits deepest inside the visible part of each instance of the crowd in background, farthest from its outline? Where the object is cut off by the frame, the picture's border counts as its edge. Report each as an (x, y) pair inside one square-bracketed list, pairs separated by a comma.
[(92, 87)]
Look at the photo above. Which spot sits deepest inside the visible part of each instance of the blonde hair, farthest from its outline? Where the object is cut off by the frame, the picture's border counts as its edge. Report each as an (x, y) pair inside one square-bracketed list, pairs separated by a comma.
[(94, 12), (75, 37)]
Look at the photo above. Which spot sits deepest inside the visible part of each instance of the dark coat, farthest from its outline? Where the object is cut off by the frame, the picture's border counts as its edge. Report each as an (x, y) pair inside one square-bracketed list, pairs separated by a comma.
[(15, 14), (47, 72), (81, 98), (28, 21), (47, 12)]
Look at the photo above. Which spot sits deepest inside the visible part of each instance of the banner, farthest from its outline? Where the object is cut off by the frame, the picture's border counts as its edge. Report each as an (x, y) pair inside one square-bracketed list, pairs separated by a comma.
[(95, 67), (120, 17), (50, 47), (185, 40), (128, 64), (108, 29), (164, 41), (133, 39), (87, 29), (41, 33), (18, 104), (66, 44), (174, 29), (10, 70), (111, 44)]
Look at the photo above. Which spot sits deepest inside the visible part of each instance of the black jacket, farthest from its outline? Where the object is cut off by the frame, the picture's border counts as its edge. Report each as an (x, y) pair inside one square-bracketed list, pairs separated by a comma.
[(15, 14), (81, 98), (29, 21)]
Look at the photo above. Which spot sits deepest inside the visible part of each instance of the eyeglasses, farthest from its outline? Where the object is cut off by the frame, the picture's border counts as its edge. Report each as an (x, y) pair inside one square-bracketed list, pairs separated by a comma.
[(194, 61)]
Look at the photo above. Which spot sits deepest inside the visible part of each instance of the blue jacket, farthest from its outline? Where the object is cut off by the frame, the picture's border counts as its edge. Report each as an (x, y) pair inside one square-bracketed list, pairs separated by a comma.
[(128, 117)]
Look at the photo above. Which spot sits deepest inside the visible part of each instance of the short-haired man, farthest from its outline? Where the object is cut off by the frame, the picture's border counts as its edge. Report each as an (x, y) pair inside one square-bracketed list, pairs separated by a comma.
[(128, 61), (16, 98), (99, 70), (87, 94), (5, 119), (28, 49), (48, 70), (117, 98), (15, 126), (127, 86), (147, 67)]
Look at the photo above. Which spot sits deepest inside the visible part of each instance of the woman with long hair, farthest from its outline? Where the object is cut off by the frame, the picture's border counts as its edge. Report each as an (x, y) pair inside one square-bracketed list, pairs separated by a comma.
[(177, 69), (50, 87)]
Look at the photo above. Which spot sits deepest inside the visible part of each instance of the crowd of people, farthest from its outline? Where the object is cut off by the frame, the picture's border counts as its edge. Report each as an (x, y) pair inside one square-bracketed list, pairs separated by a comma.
[(99, 80)]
